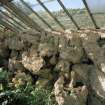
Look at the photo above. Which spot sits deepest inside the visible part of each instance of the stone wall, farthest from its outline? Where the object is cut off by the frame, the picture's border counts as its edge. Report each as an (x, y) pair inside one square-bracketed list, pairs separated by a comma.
[(72, 63)]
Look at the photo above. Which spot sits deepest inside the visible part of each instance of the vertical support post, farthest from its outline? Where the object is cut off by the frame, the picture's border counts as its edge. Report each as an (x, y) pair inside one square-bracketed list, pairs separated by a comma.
[(5, 14), (90, 14), (68, 14), (9, 26), (13, 24), (56, 20), (16, 16), (24, 17), (45, 22)]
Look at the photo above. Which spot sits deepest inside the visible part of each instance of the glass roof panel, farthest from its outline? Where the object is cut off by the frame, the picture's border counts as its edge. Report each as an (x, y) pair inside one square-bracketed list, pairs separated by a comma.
[(59, 13), (8, 14), (41, 11), (77, 9), (54, 8), (97, 8), (100, 19), (6, 18), (29, 12)]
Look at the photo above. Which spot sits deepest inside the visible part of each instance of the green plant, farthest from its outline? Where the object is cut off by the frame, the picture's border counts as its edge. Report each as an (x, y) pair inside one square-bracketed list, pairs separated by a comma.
[(41, 97), (27, 96), (3, 79), (13, 98)]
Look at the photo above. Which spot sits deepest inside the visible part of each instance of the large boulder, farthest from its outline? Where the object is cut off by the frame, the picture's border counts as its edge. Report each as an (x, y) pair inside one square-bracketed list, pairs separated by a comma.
[(47, 49), (31, 36), (32, 61), (21, 79), (93, 50), (63, 66), (76, 96), (72, 54), (15, 43), (42, 83), (59, 91), (97, 81), (45, 73), (95, 99), (82, 71), (71, 50), (14, 65), (3, 49)]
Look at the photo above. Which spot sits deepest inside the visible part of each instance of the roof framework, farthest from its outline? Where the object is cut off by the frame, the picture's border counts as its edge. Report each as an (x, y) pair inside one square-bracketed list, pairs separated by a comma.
[(17, 20), (44, 21), (90, 14)]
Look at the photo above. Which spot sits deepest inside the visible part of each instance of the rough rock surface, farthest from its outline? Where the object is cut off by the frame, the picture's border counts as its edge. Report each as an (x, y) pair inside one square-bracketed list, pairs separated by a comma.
[(32, 62), (99, 82), (72, 63), (15, 43)]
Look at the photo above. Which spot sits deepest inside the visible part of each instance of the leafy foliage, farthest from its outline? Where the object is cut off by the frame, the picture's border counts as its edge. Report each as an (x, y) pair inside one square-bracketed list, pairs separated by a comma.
[(17, 97), (26, 96), (41, 97)]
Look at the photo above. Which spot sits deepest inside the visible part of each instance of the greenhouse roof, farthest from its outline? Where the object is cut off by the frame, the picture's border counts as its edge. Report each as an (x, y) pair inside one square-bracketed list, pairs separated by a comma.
[(57, 15)]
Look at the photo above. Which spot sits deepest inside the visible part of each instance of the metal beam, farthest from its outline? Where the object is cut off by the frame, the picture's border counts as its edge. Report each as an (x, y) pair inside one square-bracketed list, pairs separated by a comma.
[(5, 14), (45, 22), (24, 17), (67, 12), (14, 21), (56, 20), (15, 15), (7, 25), (12, 24), (1, 26), (90, 14), (5, 19)]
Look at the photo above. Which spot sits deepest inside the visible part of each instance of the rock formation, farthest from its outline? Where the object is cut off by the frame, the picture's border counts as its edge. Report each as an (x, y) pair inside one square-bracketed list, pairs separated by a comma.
[(72, 63)]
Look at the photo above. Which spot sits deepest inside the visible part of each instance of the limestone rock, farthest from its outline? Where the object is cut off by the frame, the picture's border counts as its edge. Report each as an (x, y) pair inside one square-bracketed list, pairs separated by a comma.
[(78, 96), (14, 54), (32, 62), (4, 53), (94, 51), (82, 72), (95, 99), (53, 60), (14, 65), (97, 80), (71, 49), (63, 66), (1, 36), (31, 36), (21, 79), (45, 73), (15, 43), (3, 49), (59, 91), (46, 49), (62, 42), (42, 83), (72, 54)]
